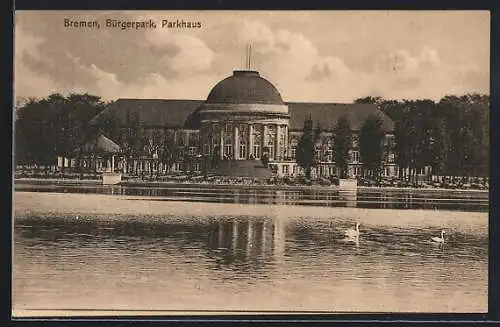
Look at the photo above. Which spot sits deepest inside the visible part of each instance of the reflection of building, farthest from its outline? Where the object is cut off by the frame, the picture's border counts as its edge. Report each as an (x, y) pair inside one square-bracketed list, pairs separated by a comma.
[(250, 241), (242, 119)]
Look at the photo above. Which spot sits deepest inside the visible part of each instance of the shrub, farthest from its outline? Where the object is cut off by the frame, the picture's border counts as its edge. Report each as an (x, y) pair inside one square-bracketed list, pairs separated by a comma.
[(324, 181)]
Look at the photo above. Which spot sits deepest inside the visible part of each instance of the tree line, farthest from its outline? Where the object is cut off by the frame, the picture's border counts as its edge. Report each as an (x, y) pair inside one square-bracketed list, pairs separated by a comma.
[(53, 126), (371, 145), (60, 126), (451, 136)]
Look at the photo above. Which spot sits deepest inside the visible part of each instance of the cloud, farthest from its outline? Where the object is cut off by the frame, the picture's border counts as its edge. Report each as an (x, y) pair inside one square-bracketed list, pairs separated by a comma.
[(28, 83), (169, 63), (425, 74), (291, 60), (328, 67), (191, 54)]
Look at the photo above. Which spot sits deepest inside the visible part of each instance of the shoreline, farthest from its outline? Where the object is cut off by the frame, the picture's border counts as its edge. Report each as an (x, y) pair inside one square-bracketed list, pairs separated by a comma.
[(27, 203), (91, 182)]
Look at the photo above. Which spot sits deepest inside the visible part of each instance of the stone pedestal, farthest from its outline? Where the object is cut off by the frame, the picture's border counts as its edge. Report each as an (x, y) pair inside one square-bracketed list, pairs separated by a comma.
[(348, 184), (110, 178)]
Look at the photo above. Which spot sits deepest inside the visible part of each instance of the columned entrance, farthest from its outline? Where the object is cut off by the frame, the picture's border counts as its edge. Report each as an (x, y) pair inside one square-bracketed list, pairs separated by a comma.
[(246, 141)]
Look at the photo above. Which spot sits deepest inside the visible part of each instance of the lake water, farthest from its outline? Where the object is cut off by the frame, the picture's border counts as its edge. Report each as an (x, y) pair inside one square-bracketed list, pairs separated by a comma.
[(364, 198), (141, 252)]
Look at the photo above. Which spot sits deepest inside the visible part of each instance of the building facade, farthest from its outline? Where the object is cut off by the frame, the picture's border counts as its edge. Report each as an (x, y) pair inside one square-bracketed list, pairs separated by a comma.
[(243, 118)]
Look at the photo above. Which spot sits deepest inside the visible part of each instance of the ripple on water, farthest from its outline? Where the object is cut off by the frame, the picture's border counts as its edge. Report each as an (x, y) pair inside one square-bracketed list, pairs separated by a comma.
[(220, 261)]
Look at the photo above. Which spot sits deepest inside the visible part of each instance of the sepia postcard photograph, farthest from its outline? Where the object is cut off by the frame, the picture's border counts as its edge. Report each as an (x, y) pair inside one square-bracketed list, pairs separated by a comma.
[(250, 162)]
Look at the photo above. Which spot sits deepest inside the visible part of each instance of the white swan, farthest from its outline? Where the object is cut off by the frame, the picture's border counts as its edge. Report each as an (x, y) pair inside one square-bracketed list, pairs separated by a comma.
[(439, 239), (353, 232)]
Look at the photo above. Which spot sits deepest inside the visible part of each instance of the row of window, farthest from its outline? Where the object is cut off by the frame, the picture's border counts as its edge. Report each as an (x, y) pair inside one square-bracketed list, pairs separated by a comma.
[(228, 150), (331, 170), (256, 152)]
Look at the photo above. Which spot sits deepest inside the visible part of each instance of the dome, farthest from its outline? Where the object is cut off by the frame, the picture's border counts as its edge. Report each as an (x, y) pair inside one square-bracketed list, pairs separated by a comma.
[(245, 87)]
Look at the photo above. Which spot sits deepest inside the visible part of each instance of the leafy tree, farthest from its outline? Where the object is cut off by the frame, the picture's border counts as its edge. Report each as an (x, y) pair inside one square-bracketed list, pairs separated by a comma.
[(342, 140), (54, 126), (169, 152), (35, 133), (370, 99), (110, 126), (451, 135), (370, 144), (305, 154), (402, 145)]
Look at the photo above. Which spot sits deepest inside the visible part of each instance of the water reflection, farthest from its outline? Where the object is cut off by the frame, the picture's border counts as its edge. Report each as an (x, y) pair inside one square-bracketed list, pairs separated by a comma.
[(240, 244), (244, 263), (389, 199)]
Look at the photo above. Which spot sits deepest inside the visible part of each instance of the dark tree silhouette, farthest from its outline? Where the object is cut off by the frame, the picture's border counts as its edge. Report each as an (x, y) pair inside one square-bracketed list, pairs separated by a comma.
[(370, 144), (305, 154), (342, 140)]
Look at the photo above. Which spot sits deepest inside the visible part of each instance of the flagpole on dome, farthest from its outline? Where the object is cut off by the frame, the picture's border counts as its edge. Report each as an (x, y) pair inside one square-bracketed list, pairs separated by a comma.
[(248, 63)]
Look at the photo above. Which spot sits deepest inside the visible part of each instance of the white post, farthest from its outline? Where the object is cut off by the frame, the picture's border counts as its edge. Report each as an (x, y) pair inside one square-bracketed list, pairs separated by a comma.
[(277, 154), (236, 143), (113, 163), (250, 141), (285, 152), (264, 138), (222, 142)]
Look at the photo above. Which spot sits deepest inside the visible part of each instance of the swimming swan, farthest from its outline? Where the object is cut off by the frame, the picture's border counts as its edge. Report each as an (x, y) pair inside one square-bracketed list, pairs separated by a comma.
[(439, 239), (353, 232)]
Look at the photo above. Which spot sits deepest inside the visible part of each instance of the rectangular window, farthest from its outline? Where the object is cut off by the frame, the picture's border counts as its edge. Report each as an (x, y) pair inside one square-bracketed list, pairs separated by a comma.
[(256, 151), (355, 156), (285, 169), (228, 150), (293, 152), (192, 150), (243, 151), (271, 152)]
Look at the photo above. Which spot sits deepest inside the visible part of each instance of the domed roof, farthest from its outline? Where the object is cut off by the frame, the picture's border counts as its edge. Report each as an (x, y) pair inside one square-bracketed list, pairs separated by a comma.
[(245, 86)]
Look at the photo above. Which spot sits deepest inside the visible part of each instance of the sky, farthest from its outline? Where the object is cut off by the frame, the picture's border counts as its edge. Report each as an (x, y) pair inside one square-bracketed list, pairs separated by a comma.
[(314, 56)]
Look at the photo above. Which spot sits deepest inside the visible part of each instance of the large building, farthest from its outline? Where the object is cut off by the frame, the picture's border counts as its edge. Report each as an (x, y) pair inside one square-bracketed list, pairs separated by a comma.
[(243, 118)]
